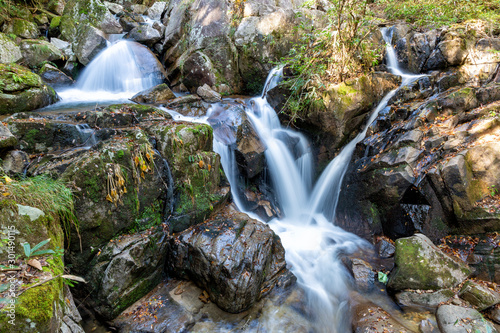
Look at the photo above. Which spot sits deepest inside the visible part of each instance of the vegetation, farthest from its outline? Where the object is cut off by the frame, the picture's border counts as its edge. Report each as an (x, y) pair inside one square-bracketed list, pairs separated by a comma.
[(335, 53)]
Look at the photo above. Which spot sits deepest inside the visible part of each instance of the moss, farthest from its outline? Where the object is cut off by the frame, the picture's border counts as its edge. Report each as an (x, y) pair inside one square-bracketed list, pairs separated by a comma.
[(37, 304), (55, 22)]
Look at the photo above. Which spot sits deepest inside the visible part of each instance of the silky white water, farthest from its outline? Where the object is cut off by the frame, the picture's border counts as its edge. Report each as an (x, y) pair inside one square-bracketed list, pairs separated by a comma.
[(116, 74), (313, 244)]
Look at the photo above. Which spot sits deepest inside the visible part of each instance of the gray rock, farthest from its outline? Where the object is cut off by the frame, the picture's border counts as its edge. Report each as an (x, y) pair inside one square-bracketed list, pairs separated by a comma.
[(145, 34), (15, 161), (453, 50), (21, 28), (494, 314), (56, 6), (197, 71), (53, 76), (385, 249), (35, 52), (114, 8), (155, 12), (9, 51), (90, 42), (207, 94), (64, 46), (456, 319), (429, 300), (130, 21), (7, 139), (363, 275), (158, 94), (478, 295), (215, 256), (421, 265), (139, 9)]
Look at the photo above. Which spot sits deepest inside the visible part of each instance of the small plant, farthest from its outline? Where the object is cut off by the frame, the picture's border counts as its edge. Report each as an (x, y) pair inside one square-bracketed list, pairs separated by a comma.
[(382, 277), (493, 190), (32, 252)]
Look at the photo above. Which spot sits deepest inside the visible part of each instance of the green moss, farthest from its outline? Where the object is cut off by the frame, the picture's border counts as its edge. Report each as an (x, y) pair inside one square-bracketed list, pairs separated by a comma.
[(55, 22), (37, 304)]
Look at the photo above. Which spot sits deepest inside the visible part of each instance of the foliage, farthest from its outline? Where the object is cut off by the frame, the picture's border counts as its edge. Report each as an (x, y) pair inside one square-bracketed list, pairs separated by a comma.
[(32, 252), (437, 13), (50, 196), (339, 51)]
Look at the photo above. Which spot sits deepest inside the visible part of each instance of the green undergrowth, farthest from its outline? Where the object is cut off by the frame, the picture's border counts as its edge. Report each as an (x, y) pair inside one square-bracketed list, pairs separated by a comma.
[(438, 13)]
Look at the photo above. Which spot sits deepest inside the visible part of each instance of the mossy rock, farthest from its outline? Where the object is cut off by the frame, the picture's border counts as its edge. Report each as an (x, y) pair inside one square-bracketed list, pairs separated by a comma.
[(117, 182), (22, 28), (479, 296), (419, 264), (35, 52), (9, 51)]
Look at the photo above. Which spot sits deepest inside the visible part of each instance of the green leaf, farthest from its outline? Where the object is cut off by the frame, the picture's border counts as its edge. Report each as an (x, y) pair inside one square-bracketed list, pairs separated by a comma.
[(4, 287), (39, 245), (27, 249), (382, 277), (42, 252)]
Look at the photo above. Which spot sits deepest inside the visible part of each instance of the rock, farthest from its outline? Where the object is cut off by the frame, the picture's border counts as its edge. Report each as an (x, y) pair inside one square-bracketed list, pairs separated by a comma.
[(207, 94), (421, 265), (363, 273), (130, 21), (21, 28), (35, 52), (56, 6), (456, 319), (197, 71), (158, 94), (90, 42), (41, 19), (114, 8), (453, 50), (126, 269), (215, 255), (428, 300), (15, 162), (195, 168), (22, 90), (479, 296), (386, 249), (139, 9), (155, 12), (7, 140), (145, 34), (9, 51), (372, 318), (494, 314), (186, 99), (64, 46), (121, 189), (53, 76)]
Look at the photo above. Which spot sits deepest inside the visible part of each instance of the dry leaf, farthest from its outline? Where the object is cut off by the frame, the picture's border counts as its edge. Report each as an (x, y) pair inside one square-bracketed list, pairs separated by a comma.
[(201, 164), (35, 263)]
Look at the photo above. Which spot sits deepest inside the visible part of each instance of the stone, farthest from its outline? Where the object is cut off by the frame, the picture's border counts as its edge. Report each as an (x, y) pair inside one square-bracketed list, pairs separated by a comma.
[(386, 249), (156, 11), (90, 42), (56, 6), (419, 264), (372, 318), (130, 21), (428, 300), (479, 296), (198, 71), (494, 314), (453, 50), (155, 95), (456, 319), (114, 8), (25, 93), (21, 28), (207, 94), (64, 46), (35, 52), (7, 140), (15, 162), (9, 51), (215, 256), (145, 34), (126, 269), (139, 9), (53, 76), (363, 273)]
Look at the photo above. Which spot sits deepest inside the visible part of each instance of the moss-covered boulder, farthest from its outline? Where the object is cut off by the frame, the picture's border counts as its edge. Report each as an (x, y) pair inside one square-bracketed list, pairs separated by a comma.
[(22, 90), (122, 186), (196, 169), (479, 296), (9, 51), (7, 140), (419, 264), (21, 28), (35, 52)]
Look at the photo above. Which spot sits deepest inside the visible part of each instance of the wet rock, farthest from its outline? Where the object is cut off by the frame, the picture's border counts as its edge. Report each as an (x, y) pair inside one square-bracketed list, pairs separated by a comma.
[(428, 326), (53, 76), (56, 6), (428, 300), (207, 94), (421, 265), (114, 8), (15, 162), (155, 12), (23, 90), (363, 273), (126, 269), (7, 140), (459, 101), (456, 319), (21, 28), (35, 52), (130, 21), (198, 71), (187, 99), (64, 46), (145, 34), (371, 318), (479, 296), (494, 314), (386, 249), (216, 256), (90, 42), (158, 94), (9, 51)]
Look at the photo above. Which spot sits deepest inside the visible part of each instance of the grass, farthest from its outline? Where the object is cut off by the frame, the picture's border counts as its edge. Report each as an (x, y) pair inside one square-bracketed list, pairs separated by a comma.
[(438, 13)]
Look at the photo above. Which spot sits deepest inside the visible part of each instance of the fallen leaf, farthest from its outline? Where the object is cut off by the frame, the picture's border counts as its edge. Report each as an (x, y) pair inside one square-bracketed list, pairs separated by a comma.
[(35, 263)]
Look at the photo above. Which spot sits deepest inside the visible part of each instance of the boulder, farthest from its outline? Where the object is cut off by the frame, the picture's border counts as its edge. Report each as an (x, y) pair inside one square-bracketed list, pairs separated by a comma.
[(130, 21), (65, 48), (215, 255), (21, 28), (125, 270), (427, 300), (53, 76), (22, 90), (35, 52), (197, 70), (7, 140), (56, 6), (158, 94), (207, 94), (156, 11), (15, 162), (419, 264), (456, 319), (114, 8), (479, 296), (90, 41), (9, 51), (145, 34)]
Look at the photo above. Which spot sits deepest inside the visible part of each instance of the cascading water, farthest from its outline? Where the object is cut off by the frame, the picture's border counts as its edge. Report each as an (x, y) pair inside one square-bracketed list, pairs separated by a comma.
[(120, 71), (313, 244)]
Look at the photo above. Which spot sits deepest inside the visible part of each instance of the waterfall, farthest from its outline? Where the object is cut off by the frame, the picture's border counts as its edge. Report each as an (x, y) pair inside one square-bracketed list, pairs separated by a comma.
[(120, 71), (313, 243)]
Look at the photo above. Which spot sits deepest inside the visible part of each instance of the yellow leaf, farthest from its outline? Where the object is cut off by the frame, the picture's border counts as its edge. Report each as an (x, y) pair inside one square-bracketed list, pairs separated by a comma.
[(113, 193), (144, 167), (136, 160), (8, 180), (209, 167), (108, 197), (6, 194), (148, 156), (124, 190), (142, 175), (201, 164)]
